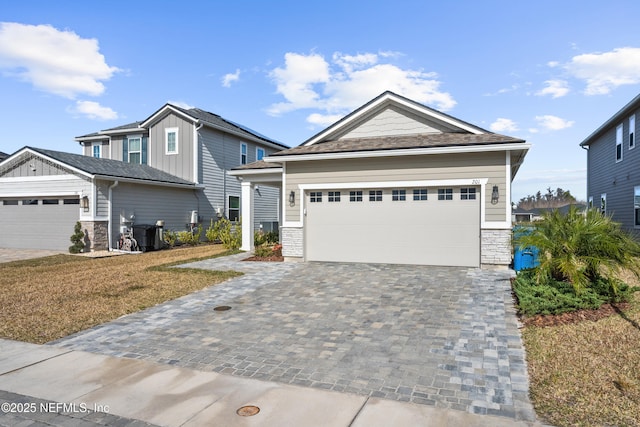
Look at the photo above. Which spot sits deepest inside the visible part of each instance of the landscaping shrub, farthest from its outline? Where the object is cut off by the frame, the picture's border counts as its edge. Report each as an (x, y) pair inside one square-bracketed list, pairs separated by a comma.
[(263, 251), (170, 238), (190, 237), (230, 233), (213, 232), (77, 238), (580, 248), (556, 297)]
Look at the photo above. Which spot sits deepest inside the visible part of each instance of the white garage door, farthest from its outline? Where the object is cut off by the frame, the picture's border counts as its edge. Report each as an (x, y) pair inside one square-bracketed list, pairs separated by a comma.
[(428, 226), (38, 223)]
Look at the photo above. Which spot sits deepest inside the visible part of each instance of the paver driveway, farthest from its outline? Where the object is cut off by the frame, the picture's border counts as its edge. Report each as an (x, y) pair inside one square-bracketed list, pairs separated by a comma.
[(430, 335)]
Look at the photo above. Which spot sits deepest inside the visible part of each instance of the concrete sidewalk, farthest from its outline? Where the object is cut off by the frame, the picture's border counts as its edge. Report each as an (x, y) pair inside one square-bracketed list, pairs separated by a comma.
[(172, 396)]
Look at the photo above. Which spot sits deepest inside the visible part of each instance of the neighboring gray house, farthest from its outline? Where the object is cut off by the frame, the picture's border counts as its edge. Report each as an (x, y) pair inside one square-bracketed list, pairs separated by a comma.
[(171, 167), (613, 165), (393, 182)]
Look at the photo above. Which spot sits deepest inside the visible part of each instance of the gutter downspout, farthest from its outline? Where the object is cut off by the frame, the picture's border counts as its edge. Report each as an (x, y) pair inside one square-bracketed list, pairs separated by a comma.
[(196, 146), (110, 222)]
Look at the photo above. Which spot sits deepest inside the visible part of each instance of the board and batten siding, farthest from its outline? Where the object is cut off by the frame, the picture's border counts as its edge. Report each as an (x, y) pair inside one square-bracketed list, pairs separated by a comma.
[(490, 165), (150, 203), (616, 179), (180, 164)]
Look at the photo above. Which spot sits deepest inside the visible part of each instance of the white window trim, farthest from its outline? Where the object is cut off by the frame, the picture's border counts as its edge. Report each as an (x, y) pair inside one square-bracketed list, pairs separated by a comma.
[(636, 189), (264, 153), (590, 202), (167, 131), (619, 139), (246, 153), (229, 196), (632, 131), (129, 138), (603, 197)]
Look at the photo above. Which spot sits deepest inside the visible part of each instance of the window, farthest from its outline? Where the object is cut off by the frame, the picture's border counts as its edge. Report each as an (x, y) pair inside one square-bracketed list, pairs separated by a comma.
[(445, 193), (636, 205), (50, 202), (619, 143), (315, 197), (243, 154), (398, 195), (603, 203), (375, 195), (420, 194), (29, 202), (10, 202), (632, 131), (134, 149), (334, 196), (355, 196), (259, 153), (71, 202), (96, 148), (234, 208), (171, 141), (468, 193), (590, 205)]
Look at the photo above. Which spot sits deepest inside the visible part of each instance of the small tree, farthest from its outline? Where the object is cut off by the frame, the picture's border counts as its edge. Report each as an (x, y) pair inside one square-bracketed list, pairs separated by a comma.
[(580, 248), (77, 238)]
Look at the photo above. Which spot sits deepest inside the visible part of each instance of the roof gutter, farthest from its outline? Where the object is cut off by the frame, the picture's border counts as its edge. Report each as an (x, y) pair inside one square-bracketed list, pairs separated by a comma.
[(398, 152), (110, 221), (148, 182)]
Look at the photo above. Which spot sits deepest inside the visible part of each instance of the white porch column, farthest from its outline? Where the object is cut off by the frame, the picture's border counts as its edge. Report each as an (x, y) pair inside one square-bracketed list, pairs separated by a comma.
[(246, 212)]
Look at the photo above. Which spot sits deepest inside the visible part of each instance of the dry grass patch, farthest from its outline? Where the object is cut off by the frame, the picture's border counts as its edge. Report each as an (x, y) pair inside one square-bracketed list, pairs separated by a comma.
[(587, 373), (49, 298)]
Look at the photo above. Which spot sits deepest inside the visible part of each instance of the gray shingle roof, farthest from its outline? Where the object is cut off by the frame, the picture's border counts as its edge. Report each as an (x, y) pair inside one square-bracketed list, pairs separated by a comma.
[(220, 122), (3, 156), (399, 142), (260, 164), (111, 130), (112, 168)]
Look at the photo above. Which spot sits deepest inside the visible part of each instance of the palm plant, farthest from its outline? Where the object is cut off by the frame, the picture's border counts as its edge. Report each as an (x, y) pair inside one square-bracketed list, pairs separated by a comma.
[(581, 247)]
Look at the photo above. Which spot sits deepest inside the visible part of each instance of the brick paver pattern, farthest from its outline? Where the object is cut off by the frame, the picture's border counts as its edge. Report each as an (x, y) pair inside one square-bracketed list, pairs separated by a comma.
[(442, 336)]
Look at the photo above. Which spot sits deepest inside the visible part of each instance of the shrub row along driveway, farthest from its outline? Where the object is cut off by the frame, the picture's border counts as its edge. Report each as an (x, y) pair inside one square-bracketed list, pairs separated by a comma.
[(430, 335)]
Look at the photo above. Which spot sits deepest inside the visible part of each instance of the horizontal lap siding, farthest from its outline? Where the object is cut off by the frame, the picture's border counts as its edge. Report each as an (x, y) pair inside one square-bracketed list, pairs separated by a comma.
[(616, 179), (152, 203), (405, 168), (69, 185)]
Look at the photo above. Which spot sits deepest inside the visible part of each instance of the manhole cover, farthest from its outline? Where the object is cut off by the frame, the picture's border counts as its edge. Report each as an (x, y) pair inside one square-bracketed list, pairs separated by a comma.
[(222, 308), (248, 411)]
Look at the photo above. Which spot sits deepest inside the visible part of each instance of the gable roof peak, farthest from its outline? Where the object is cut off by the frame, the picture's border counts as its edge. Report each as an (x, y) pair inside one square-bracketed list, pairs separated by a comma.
[(384, 101)]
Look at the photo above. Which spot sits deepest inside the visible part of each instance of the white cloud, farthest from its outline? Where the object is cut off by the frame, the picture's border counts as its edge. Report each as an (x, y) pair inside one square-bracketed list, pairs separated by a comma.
[(54, 61), (229, 78), (93, 110), (181, 104), (604, 72), (550, 122), (553, 64), (323, 119), (555, 88), (348, 81), (503, 125)]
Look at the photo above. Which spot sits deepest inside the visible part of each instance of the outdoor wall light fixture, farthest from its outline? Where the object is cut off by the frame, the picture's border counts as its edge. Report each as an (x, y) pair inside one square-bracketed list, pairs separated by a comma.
[(494, 195), (85, 203), (292, 198)]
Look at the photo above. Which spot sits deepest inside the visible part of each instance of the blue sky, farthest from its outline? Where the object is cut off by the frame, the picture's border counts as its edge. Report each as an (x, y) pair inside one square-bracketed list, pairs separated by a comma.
[(549, 72)]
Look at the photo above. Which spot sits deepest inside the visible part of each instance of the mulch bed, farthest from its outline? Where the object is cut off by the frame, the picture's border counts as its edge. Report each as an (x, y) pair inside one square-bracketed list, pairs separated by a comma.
[(267, 258), (605, 310)]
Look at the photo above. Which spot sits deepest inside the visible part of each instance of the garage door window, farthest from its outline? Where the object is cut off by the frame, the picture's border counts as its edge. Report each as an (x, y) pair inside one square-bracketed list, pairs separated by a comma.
[(10, 203), (315, 197), (30, 202), (467, 194), (420, 194), (398, 195), (71, 201), (50, 201), (375, 195), (334, 196), (445, 193), (355, 196)]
